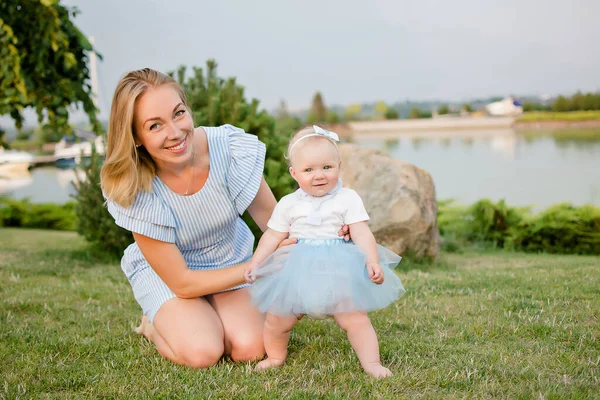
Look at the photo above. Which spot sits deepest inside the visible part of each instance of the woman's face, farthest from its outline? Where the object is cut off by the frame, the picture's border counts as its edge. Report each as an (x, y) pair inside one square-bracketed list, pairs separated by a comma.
[(164, 126)]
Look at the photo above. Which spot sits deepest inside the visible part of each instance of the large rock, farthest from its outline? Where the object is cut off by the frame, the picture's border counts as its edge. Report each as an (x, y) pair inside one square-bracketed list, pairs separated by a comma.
[(399, 197)]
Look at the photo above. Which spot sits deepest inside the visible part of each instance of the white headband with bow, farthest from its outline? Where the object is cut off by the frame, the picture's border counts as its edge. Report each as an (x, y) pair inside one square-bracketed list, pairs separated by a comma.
[(318, 132)]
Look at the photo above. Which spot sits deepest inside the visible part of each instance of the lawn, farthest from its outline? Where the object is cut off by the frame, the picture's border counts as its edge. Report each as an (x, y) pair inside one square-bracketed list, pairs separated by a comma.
[(475, 325)]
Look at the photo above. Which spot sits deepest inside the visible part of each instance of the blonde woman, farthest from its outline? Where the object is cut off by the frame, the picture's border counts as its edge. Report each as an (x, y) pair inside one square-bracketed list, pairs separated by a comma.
[(181, 190)]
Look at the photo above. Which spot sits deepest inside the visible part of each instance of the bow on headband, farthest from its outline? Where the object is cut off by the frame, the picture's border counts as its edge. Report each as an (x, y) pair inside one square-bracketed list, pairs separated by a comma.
[(328, 134), (318, 132)]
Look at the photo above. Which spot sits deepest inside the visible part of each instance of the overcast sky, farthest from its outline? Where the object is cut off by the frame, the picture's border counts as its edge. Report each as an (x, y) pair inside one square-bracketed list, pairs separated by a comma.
[(355, 51)]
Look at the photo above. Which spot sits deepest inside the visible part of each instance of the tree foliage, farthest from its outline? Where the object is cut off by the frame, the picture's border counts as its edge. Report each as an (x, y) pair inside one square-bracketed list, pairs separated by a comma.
[(318, 111), (391, 113), (44, 62), (443, 109), (416, 112), (352, 112)]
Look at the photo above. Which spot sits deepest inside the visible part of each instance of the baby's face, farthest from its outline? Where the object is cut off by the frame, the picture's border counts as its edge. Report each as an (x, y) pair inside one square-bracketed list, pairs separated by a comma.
[(316, 167)]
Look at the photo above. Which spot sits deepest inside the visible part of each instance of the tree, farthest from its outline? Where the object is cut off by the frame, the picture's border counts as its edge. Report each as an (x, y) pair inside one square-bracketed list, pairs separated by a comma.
[(577, 102), (352, 112), (467, 107), (3, 143), (591, 101), (318, 111), (282, 112), (443, 109), (333, 117), (415, 113), (381, 108), (561, 104), (528, 106), (44, 62), (391, 113)]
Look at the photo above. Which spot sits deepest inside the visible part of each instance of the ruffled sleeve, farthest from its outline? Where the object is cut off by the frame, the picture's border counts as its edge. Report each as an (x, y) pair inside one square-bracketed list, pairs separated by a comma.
[(246, 165), (147, 216)]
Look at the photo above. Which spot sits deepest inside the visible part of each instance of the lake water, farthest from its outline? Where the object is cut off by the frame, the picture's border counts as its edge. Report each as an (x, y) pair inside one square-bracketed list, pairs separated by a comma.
[(523, 168)]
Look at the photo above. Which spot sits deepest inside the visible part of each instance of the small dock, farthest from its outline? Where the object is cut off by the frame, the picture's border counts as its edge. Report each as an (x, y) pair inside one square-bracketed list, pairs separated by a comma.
[(42, 161)]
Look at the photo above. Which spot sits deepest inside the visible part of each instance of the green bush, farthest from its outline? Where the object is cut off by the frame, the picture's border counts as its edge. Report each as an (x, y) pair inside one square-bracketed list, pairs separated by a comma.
[(96, 225), (493, 223), (562, 228), (24, 214)]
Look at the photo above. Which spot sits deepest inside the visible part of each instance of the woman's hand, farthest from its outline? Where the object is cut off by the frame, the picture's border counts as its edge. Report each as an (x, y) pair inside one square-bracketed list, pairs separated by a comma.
[(248, 272), (345, 232)]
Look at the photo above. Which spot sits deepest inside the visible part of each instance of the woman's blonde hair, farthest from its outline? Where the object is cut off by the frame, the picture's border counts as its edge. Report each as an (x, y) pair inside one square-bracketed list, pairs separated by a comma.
[(128, 169)]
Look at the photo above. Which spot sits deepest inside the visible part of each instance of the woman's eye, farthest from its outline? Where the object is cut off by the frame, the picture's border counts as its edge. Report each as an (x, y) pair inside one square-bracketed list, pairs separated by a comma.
[(179, 113), (154, 126)]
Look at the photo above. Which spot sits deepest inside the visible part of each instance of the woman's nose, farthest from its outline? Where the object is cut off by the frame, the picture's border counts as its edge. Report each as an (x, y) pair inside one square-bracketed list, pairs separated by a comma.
[(172, 131)]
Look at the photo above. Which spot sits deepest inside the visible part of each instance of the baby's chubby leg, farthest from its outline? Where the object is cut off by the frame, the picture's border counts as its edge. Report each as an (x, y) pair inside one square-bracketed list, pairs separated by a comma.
[(277, 335), (363, 339)]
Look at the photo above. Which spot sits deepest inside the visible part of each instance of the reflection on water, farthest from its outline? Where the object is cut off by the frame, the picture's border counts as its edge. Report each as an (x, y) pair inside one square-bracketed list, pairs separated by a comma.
[(47, 184), (8, 185), (525, 168)]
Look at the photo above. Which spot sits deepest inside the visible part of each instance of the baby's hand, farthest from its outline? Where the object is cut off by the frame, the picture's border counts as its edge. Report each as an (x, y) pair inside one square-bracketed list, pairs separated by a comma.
[(375, 273), (250, 267)]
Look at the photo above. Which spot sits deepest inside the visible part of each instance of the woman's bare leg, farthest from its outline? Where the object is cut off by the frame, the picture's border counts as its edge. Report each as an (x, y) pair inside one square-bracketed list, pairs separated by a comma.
[(187, 332), (363, 339), (242, 324), (277, 337)]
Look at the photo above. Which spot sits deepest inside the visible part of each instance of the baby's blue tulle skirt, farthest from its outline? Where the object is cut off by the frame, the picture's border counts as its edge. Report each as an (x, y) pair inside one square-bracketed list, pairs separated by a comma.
[(321, 277)]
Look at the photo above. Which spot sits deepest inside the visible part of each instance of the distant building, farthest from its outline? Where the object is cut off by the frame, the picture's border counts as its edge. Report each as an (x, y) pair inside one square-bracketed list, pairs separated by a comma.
[(507, 107)]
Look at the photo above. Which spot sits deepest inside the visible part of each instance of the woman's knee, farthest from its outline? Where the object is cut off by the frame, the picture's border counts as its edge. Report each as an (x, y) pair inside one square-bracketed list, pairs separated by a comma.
[(247, 347), (200, 355)]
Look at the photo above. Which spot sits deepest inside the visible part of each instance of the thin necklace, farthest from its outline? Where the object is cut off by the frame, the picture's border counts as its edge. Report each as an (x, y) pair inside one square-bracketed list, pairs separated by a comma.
[(192, 172)]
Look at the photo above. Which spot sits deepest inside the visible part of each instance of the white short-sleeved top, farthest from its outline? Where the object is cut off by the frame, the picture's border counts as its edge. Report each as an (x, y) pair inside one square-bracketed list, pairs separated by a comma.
[(205, 226), (344, 206)]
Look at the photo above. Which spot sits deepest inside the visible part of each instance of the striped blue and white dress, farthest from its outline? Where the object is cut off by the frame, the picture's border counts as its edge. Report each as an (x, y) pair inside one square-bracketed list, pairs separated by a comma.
[(205, 226)]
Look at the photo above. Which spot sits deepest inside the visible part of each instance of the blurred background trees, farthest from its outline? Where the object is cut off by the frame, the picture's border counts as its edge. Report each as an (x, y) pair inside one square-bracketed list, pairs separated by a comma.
[(44, 63)]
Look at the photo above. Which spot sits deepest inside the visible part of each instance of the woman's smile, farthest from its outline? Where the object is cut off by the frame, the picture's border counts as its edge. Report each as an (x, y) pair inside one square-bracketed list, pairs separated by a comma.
[(179, 147)]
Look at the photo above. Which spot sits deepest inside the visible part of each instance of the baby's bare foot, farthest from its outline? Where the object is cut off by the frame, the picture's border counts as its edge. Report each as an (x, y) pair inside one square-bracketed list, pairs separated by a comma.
[(145, 327), (377, 371), (269, 363)]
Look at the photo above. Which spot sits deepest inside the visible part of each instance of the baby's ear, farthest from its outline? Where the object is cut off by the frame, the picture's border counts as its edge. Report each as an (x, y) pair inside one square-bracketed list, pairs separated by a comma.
[(293, 172)]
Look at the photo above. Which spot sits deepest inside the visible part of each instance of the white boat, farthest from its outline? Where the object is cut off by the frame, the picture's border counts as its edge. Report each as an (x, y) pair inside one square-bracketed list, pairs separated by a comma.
[(68, 154), (506, 107), (14, 163)]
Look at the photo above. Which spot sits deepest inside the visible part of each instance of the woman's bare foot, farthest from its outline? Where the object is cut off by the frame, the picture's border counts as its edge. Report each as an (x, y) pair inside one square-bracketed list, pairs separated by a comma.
[(377, 371), (269, 363), (145, 327)]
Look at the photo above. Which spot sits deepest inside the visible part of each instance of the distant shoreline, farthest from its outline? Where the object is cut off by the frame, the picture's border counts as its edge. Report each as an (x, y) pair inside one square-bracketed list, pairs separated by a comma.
[(458, 126)]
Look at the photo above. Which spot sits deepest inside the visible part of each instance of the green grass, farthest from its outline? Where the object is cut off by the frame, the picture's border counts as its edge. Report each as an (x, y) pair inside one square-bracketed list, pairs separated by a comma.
[(475, 325), (535, 116)]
